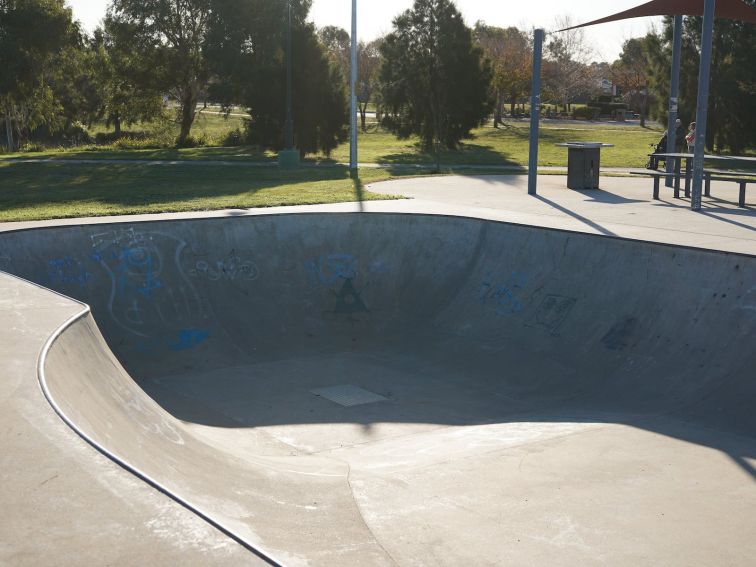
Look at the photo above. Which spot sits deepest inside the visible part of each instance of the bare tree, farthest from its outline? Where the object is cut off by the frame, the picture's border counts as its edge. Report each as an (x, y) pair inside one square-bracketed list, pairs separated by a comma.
[(510, 52), (630, 72), (568, 74), (368, 70)]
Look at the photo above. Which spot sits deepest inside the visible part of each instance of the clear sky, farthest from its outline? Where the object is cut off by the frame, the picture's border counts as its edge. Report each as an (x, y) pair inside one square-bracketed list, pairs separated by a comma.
[(375, 16)]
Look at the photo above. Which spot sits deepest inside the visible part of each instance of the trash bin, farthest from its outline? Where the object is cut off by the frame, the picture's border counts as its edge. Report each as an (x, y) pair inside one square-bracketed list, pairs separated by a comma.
[(583, 164)]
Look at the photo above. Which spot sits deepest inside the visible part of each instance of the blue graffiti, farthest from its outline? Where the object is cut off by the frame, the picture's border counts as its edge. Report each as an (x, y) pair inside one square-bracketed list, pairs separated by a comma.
[(188, 339), (504, 296), (329, 269), (67, 271), (133, 270), (379, 267)]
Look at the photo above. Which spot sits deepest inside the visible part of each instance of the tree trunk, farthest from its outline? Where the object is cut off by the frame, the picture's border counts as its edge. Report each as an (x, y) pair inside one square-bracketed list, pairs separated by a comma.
[(9, 131), (117, 125), (188, 105), (363, 116), (644, 105)]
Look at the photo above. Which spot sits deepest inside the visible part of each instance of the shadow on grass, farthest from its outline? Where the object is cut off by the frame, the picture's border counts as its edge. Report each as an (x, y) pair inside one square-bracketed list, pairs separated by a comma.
[(103, 189), (359, 188), (466, 155)]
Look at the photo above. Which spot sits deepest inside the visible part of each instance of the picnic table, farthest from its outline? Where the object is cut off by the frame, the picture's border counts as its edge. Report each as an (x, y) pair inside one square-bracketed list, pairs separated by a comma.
[(740, 177)]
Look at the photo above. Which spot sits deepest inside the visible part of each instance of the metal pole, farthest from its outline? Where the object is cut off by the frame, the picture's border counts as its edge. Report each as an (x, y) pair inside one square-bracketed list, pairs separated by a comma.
[(353, 82), (702, 109), (289, 125), (674, 91), (535, 112)]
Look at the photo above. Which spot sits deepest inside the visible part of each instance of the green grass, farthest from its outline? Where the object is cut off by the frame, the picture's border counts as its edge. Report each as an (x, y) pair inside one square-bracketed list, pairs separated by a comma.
[(56, 190), (207, 123), (507, 145), (34, 191)]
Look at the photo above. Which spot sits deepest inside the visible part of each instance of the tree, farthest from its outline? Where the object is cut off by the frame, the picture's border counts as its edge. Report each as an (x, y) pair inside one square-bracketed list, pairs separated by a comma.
[(173, 33), (630, 73), (32, 34), (511, 54), (368, 75), (732, 99), (129, 86), (567, 75), (337, 44), (435, 80), (246, 49)]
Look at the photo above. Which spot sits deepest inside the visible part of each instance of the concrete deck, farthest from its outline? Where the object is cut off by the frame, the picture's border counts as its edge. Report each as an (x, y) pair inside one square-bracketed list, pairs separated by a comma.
[(550, 397)]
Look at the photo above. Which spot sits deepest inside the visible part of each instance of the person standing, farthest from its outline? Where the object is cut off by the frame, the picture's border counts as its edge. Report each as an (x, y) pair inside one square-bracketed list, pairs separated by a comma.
[(690, 139)]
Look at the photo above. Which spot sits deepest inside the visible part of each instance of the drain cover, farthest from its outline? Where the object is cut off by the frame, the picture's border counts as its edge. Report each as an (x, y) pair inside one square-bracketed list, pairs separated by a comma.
[(348, 395)]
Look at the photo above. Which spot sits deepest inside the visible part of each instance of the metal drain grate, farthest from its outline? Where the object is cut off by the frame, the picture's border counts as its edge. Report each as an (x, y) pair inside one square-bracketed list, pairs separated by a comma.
[(348, 395)]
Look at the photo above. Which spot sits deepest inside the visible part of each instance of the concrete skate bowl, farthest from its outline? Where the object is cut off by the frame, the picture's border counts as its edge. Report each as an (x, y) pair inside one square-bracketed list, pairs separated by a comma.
[(346, 389)]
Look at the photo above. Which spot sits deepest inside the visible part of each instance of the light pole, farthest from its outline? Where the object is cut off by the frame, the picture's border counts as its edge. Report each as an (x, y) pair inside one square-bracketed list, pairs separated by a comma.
[(353, 105), (288, 158)]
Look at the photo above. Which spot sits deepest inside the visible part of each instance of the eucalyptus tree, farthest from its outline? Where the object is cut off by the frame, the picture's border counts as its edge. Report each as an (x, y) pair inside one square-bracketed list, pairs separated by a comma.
[(32, 34), (172, 34)]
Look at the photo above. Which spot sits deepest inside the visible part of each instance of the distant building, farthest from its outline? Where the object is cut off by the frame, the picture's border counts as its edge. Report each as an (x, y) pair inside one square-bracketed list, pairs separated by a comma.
[(607, 87)]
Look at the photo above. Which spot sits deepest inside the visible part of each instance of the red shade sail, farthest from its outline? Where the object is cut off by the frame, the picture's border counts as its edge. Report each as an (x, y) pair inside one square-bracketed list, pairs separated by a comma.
[(728, 9)]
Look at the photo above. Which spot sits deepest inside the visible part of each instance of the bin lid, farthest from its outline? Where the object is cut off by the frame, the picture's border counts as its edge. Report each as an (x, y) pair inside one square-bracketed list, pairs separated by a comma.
[(585, 145)]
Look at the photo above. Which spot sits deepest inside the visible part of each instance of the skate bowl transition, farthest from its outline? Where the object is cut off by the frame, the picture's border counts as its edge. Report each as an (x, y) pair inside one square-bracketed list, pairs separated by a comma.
[(378, 389)]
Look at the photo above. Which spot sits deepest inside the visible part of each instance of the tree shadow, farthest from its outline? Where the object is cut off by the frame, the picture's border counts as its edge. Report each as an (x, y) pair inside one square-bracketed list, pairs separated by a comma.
[(25, 185), (467, 154)]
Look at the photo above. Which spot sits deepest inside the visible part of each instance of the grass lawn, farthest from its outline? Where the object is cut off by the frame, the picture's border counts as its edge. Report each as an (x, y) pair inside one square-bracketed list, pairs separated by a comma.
[(507, 145), (32, 191)]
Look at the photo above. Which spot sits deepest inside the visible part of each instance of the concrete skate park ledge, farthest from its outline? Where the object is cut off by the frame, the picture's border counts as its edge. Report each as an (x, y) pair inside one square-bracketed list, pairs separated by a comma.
[(319, 386)]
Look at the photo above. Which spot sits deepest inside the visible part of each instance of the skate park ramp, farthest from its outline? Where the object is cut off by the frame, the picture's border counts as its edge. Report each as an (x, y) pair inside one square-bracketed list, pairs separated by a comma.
[(379, 389)]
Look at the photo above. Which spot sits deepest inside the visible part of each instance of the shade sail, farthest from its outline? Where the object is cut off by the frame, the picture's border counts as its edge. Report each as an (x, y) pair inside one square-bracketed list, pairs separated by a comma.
[(728, 9)]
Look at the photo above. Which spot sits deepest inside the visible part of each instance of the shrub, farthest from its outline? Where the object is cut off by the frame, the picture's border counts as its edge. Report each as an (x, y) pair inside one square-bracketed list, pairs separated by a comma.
[(234, 138), (194, 142), (585, 113)]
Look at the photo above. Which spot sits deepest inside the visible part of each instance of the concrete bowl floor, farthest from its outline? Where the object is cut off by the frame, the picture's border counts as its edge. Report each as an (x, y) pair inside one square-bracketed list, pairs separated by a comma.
[(346, 389)]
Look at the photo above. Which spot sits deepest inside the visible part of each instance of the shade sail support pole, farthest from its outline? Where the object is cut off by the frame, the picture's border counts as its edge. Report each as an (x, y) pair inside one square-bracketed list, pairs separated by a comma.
[(702, 107), (674, 93), (535, 112)]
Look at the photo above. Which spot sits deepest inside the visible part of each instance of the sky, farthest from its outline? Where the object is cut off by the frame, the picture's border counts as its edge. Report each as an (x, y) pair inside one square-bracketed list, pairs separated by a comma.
[(375, 17)]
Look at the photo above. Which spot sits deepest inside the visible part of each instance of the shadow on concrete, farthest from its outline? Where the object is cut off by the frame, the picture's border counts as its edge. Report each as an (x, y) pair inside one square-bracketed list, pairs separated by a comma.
[(601, 196), (716, 214), (574, 215)]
